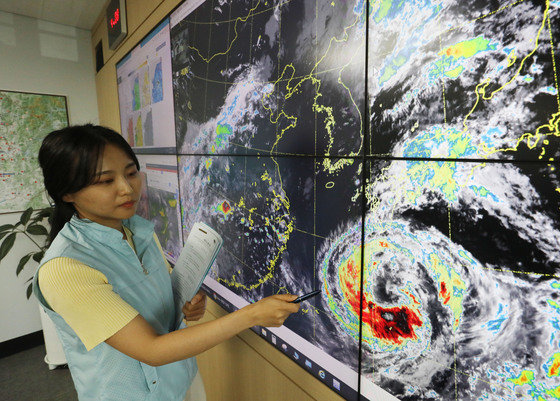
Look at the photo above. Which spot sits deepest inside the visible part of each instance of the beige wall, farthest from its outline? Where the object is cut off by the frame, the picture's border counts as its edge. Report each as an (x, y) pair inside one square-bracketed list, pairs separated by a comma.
[(246, 367)]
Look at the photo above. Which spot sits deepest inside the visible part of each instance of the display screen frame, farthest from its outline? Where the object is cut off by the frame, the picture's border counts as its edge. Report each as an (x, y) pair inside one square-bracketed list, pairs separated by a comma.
[(279, 337)]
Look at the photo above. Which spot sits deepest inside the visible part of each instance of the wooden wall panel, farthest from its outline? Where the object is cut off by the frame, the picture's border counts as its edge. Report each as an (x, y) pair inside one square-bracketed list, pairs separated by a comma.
[(139, 10), (248, 368), (107, 97)]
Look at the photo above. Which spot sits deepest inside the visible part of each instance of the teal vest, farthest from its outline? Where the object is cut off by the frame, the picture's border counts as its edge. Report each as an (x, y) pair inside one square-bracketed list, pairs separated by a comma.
[(143, 281)]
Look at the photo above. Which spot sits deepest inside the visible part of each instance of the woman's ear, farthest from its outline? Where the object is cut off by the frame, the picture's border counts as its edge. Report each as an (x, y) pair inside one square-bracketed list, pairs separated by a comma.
[(68, 198)]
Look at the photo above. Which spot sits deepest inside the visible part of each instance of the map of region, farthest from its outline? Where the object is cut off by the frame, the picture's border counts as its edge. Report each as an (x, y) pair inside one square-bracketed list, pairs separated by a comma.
[(157, 83), (461, 280), (280, 77), (164, 212), (461, 269), (477, 80), (274, 215), (159, 201), (25, 119)]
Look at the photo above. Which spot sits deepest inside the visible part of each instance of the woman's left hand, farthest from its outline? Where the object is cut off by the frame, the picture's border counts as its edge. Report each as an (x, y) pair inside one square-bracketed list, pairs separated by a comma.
[(195, 309)]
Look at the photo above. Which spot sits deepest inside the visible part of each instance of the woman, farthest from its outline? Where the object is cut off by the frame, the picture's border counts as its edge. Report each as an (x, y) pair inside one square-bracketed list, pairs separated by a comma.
[(106, 285)]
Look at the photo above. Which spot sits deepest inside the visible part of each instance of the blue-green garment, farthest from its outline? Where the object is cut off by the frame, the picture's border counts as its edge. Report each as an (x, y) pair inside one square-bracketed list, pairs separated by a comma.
[(143, 281)]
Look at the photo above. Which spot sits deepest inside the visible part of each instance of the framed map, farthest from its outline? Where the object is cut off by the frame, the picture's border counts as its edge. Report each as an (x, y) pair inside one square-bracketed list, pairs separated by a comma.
[(25, 119)]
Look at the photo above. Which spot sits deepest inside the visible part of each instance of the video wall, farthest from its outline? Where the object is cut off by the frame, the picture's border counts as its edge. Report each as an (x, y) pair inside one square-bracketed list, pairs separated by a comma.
[(400, 156)]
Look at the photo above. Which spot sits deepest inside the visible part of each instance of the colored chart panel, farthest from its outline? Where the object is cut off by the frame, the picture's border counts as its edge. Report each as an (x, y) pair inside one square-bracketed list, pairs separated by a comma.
[(159, 202), (464, 80), (25, 119), (461, 279), (288, 226), (145, 94), (276, 77)]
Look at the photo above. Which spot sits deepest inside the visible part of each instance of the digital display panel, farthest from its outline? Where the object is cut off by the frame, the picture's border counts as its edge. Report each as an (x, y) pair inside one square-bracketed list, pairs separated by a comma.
[(460, 294), (417, 188), (464, 80), (461, 283), (288, 227), (116, 22), (160, 201), (251, 89), (145, 94), (468, 265)]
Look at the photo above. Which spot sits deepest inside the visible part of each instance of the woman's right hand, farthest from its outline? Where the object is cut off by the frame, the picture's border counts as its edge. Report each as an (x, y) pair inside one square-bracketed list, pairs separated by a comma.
[(272, 311)]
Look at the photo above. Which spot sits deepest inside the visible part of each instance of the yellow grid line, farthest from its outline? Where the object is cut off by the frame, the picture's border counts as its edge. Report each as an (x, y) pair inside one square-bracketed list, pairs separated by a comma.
[(235, 19), (468, 375), (553, 61), (482, 17), (271, 152)]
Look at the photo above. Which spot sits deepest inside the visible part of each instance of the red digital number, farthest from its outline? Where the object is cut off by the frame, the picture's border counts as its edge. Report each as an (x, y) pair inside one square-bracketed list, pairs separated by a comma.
[(115, 19)]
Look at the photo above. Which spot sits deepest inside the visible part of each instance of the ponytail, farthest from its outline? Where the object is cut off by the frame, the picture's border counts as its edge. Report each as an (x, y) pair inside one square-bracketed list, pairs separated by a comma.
[(62, 214)]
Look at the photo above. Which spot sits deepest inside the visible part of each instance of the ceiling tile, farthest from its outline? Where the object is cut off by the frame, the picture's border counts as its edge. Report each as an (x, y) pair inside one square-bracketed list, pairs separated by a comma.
[(78, 13), (30, 8), (59, 11)]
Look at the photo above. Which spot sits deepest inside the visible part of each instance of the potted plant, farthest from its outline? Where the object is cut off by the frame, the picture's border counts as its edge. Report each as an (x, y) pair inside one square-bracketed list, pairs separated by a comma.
[(31, 225)]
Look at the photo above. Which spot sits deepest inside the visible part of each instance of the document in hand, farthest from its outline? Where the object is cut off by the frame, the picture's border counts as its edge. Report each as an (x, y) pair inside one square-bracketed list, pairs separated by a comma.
[(194, 262)]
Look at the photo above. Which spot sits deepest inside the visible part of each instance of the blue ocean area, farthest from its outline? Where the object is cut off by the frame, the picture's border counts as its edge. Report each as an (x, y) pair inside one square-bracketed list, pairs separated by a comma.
[(157, 84)]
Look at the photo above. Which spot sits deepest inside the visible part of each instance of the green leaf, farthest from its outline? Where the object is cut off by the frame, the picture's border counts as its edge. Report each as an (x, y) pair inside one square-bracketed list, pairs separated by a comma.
[(6, 227), (2, 235), (44, 213), (37, 256), (41, 215), (22, 262), (25, 216), (37, 229), (7, 245), (29, 290)]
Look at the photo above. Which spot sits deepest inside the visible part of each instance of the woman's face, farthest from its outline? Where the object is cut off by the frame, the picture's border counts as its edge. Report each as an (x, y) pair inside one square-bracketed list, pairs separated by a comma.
[(115, 192)]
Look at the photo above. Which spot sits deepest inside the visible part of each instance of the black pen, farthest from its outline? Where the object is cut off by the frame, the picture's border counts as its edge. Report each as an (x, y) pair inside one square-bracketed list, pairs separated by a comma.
[(306, 296)]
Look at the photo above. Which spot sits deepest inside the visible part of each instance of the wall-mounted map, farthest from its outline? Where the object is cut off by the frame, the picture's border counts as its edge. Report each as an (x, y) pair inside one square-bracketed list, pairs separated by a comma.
[(25, 119)]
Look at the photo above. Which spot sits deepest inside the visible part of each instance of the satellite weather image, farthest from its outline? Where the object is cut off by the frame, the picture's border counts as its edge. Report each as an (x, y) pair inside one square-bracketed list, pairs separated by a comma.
[(401, 156)]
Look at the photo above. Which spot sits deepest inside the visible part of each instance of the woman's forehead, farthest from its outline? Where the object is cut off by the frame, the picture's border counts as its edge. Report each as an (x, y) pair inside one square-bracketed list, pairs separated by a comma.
[(114, 157)]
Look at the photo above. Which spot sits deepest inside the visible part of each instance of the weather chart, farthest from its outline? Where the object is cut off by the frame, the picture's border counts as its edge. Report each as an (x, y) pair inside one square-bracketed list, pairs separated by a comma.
[(399, 156), (145, 98), (160, 201)]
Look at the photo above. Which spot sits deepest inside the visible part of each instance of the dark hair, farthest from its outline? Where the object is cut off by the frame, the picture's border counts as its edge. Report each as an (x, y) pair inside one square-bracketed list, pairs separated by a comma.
[(69, 158)]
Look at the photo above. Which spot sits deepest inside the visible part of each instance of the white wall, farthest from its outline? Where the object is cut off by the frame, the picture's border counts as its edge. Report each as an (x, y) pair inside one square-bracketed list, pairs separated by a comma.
[(18, 315), (40, 57)]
